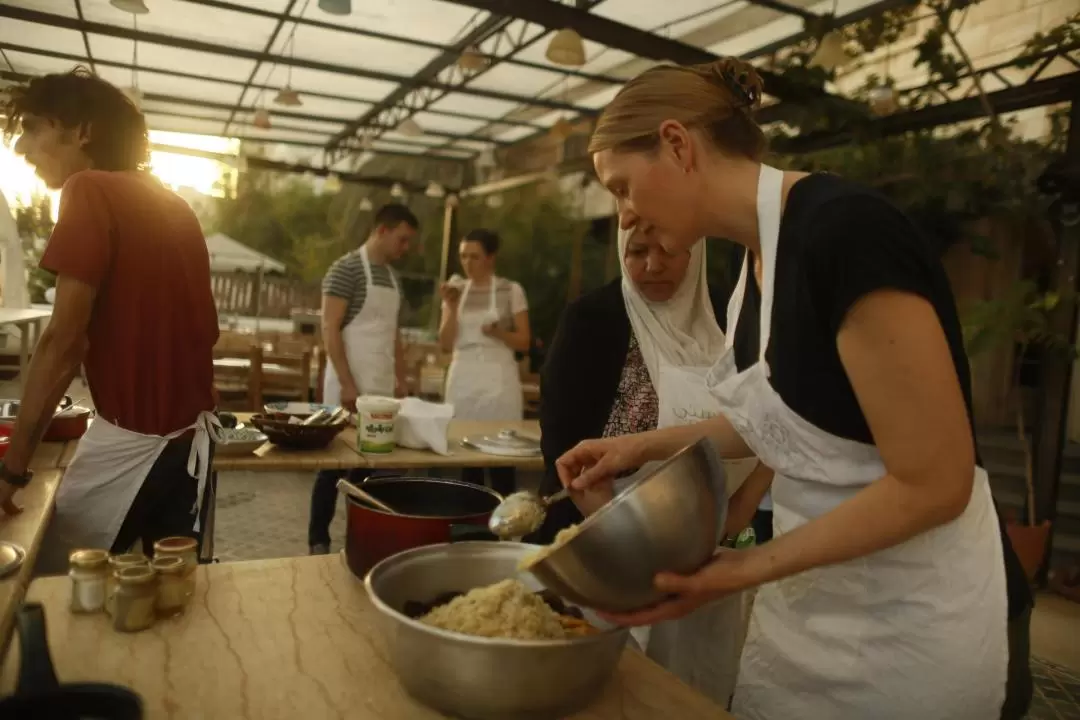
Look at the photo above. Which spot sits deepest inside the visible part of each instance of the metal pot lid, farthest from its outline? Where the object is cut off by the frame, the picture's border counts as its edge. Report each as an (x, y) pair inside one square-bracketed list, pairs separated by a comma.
[(505, 443), (11, 558)]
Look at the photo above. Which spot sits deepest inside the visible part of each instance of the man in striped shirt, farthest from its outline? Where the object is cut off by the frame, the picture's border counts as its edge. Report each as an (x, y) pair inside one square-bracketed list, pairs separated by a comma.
[(360, 309)]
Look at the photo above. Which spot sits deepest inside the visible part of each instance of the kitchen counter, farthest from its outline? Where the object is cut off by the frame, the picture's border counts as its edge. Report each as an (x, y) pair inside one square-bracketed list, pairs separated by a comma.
[(284, 639)]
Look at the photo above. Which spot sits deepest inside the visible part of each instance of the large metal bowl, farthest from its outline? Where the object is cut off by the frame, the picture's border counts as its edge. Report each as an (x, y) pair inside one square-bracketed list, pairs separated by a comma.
[(484, 678), (668, 519)]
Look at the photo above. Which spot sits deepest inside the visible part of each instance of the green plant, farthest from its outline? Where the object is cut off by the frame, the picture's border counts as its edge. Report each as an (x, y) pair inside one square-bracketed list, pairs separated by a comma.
[(35, 225)]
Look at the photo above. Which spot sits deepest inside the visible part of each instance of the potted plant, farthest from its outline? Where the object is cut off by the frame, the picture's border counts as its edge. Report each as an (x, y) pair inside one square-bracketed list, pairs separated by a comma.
[(1021, 316)]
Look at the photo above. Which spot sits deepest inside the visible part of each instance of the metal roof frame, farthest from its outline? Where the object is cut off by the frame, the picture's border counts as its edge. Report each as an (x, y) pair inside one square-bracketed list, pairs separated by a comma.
[(410, 98), (403, 39), (254, 86), (60, 21), (620, 36)]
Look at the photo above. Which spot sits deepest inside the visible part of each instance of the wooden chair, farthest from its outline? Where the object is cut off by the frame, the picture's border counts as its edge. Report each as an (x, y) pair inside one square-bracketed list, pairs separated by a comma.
[(236, 377), (283, 376), (532, 394)]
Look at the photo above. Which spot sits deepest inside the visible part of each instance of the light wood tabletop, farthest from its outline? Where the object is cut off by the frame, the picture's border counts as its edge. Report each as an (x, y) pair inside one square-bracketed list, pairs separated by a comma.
[(342, 453), (27, 530), (285, 639)]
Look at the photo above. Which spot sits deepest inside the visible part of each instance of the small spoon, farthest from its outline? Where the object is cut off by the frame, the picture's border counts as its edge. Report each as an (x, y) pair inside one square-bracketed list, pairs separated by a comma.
[(522, 513), (348, 488)]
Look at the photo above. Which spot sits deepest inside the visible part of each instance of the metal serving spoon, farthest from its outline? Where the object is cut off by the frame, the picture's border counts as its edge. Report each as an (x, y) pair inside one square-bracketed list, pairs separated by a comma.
[(522, 513)]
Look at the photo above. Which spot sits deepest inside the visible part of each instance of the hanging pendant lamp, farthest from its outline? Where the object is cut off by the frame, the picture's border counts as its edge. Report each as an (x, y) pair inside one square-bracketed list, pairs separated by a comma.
[(883, 101), (397, 191), (135, 7), (410, 128), (566, 48), (288, 97), (435, 190), (830, 53), (336, 7), (365, 205), (562, 129), (261, 119), (472, 59)]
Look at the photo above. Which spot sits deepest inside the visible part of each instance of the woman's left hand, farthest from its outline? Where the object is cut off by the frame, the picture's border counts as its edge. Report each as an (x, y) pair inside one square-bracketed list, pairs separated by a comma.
[(728, 572), (492, 330)]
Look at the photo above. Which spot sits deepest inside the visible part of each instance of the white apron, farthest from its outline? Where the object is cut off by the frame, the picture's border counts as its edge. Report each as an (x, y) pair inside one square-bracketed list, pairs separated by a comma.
[(914, 631), (483, 381), (703, 648), (107, 471), (369, 340)]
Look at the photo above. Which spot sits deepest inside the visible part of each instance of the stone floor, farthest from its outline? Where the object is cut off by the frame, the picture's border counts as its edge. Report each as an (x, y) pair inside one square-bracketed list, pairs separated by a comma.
[(1057, 692)]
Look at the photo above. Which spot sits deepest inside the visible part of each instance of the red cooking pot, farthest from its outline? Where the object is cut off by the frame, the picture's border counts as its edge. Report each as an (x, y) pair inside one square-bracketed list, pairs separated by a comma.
[(69, 423), (430, 511)]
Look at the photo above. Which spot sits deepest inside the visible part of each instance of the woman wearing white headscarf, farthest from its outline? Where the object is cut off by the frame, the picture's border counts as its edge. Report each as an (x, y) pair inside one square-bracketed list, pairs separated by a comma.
[(632, 357)]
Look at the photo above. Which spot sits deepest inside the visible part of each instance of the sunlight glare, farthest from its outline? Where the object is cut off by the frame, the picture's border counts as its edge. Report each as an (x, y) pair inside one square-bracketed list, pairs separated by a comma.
[(20, 185)]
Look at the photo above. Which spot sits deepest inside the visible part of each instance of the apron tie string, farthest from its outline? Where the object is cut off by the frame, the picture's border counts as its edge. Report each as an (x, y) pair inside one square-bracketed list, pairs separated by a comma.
[(207, 429)]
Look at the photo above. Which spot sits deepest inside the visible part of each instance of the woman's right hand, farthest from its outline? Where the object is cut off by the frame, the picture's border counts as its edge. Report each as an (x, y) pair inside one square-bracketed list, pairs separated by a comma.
[(600, 462), (450, 293)]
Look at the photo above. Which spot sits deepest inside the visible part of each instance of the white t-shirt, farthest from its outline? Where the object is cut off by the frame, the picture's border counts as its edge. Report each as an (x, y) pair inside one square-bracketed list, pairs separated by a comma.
[(509, 300)]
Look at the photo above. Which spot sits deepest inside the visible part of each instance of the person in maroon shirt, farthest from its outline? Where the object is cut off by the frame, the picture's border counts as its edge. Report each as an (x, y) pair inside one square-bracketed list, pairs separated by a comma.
[(133, 306)]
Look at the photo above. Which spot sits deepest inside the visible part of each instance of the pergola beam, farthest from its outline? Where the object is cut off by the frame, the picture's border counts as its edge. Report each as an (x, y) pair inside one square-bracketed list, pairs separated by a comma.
[(278, 25), (619, 36), (1037, 93), (785, 8), (405, 40), (428, 73), (76, 59), (210, 105), (61, 21)]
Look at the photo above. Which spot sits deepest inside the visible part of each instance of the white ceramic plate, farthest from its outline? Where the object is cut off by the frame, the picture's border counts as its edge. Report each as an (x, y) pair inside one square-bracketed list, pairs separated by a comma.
[(296, 408)]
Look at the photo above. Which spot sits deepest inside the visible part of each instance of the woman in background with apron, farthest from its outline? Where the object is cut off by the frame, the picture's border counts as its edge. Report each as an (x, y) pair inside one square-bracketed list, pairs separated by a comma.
[(485, 321), (679, 338)]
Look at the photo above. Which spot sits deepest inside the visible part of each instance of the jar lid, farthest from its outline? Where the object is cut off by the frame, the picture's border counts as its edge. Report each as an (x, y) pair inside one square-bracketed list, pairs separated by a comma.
[(169, 565), (136, 575), (88, 559), (128, 560), (11, 558), (505, 442), (176, 544)]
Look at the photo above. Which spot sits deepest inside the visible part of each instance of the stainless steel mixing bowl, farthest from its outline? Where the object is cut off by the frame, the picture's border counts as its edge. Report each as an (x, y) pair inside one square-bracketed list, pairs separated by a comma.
[(667, 520), (484, 678)]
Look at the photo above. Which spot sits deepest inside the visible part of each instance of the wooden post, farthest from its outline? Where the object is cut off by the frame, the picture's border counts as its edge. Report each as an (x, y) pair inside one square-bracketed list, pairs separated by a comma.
[(1056, 366), (449, 232)]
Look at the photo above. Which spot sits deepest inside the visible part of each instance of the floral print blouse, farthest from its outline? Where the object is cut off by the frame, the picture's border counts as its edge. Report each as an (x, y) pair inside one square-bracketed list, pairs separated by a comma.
[(636, 407)]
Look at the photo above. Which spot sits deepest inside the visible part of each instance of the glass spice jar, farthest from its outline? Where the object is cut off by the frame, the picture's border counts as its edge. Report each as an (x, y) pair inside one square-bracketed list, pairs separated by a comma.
[(134, 598), (179, 546), (175, 585), (117, 563), (89, 571)]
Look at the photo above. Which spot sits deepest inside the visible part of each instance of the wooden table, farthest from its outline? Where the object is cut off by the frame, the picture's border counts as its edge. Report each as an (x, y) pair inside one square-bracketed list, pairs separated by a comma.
[(29, 323), (461, 457), (285, 639), (342, 453), (27, 529)]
